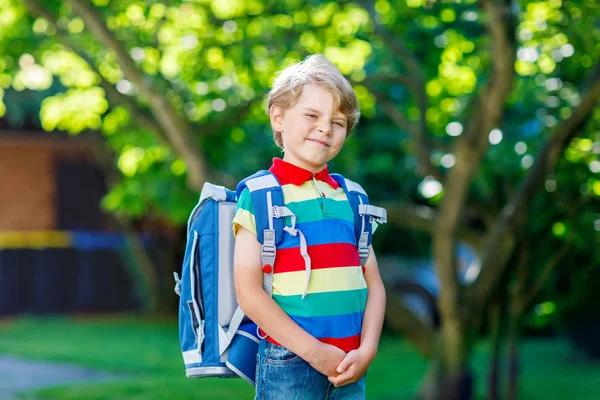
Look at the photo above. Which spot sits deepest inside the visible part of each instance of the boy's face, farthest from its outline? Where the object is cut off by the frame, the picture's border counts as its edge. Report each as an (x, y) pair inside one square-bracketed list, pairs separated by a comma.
[(313, 130)]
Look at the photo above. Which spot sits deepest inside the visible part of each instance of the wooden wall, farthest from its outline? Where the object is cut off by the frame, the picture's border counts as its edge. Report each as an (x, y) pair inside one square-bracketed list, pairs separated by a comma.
[(26, 187), (28, 180)]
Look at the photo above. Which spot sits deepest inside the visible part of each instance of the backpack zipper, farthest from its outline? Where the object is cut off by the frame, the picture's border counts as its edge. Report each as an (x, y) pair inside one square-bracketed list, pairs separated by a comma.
[(197, 300)]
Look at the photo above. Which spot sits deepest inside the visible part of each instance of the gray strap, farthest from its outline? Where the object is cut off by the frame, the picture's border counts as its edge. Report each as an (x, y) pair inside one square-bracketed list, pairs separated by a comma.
[(267, 256), (225, 337), (177, 284), (363, 248), (363, 240), (379, 213), (236, 320), (282, 212), (304, 253)]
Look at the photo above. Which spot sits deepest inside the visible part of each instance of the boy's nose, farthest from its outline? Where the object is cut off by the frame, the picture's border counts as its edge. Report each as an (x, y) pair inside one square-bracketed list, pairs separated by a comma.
[(325, 128)]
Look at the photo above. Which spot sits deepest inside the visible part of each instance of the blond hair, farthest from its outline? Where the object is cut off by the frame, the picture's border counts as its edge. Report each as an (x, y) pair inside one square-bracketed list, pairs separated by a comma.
[(318, 70)]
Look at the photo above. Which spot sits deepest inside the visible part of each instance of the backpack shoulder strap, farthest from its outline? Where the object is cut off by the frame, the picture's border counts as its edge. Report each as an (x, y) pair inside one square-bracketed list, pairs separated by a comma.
[(361, 208), (266, 193)]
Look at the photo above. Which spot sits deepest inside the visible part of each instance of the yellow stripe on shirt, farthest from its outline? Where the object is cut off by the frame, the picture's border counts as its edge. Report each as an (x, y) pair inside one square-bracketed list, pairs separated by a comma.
[(245, 219), (321, 280), (307, 191)]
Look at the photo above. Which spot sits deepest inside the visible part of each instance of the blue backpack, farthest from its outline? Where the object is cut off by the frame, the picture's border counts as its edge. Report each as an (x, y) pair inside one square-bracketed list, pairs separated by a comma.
[(216, 338)]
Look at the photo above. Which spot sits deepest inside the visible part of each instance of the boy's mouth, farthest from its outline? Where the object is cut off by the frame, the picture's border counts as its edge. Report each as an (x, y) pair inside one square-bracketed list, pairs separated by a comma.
[(322, 143)]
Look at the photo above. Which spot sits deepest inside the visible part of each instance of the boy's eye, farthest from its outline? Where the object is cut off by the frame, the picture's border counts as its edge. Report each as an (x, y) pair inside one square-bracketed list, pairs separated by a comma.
[(311, 115), (339, 123)]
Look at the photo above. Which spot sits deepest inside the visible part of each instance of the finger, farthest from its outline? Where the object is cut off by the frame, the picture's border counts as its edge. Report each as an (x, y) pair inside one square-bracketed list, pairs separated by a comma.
[(346, 362), (338, 379), (335, 381), (343, 378), (339, 383)]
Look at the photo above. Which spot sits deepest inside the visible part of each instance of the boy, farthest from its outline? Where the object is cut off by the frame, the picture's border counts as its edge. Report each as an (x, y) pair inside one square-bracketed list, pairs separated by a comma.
[(321, 335)]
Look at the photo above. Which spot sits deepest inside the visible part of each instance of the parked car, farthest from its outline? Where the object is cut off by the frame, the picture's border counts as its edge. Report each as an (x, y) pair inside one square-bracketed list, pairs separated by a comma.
[(415, 280)]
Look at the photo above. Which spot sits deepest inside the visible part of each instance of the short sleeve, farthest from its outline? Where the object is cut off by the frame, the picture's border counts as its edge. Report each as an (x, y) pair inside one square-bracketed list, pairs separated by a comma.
[(244, 213)]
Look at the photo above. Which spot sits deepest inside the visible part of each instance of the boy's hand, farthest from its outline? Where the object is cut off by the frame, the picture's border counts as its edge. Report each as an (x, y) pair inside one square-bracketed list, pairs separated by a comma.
[(352, 368), (326, 359)]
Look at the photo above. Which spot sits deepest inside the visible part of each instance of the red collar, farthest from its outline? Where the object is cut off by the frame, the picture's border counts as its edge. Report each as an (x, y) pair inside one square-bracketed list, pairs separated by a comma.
[(289, 173)]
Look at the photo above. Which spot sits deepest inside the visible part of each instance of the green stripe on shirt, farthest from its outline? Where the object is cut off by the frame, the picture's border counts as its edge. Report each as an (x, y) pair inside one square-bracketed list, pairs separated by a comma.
[(324, 304), (312, 210), (245, 202)]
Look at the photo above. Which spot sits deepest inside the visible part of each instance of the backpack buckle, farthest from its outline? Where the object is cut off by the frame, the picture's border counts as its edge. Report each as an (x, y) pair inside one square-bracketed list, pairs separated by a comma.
[(267, 251), (268, 248), (363, 252), (363, 248)]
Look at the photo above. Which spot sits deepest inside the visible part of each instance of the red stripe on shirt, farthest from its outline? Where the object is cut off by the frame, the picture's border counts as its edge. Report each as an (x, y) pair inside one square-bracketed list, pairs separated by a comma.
[(322, 256), (347, 344)]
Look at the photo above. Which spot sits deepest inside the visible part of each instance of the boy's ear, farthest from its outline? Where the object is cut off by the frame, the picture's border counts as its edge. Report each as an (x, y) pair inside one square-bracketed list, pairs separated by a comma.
[(276, 115)]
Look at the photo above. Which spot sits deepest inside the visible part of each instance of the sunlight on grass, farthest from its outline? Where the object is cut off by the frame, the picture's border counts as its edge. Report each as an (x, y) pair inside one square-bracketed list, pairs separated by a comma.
[(147, 353)]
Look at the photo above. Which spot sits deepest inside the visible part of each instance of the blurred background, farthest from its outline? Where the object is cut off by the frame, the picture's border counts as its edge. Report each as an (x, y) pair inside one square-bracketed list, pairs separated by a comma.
[(480, 134)]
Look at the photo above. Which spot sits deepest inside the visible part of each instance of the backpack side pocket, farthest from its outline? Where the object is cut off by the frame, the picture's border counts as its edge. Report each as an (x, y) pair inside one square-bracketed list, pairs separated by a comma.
[(191, 309)]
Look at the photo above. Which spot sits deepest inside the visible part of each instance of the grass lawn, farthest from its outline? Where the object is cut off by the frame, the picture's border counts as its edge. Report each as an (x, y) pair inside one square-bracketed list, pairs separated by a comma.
[(148, 353)]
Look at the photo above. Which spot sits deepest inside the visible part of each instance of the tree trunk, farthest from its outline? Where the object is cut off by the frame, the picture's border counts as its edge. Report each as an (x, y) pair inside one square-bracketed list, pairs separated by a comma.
[(440, 384), (141, 267), (517, 307), (401, 319), (449, 376), (495, 344), (513, 357)]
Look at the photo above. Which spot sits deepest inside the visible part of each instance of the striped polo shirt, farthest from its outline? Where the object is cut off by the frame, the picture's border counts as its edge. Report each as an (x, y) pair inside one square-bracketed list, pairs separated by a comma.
[(333, 308)]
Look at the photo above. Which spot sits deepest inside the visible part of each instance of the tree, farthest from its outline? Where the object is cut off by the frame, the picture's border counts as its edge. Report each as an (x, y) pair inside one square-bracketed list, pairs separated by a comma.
[(462, 308), (177, 90)]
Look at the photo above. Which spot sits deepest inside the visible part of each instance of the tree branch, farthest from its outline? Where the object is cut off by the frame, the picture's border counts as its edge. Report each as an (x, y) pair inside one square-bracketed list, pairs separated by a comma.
[(176, 128), (396, 45), (573, 210), (546, 272), (509, 224), (414, 71), (422, 218), (397, 116), (404, 80), (519, 290), (228, 119), (138, 114), (483, 214), (469, 150)]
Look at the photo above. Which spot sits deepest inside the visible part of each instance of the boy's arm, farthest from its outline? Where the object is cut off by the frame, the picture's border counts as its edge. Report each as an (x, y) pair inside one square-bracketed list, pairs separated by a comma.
[(262, 309), (354, 366), (375, 310)]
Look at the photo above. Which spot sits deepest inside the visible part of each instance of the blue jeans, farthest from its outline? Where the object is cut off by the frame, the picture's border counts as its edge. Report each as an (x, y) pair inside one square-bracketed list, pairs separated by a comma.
[(282, 375)]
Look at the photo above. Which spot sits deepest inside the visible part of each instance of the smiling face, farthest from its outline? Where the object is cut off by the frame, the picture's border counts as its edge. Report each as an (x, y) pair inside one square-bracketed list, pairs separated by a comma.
[(313, 131)]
